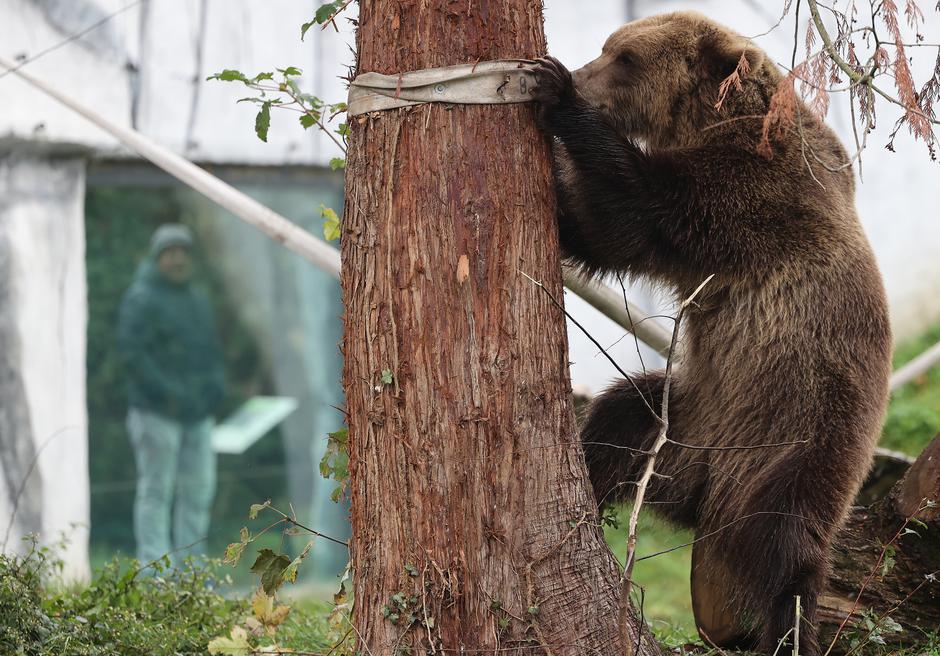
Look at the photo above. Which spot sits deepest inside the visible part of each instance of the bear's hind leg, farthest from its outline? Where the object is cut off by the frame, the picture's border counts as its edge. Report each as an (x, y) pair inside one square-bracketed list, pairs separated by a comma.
[(617, 435), (781, 615)]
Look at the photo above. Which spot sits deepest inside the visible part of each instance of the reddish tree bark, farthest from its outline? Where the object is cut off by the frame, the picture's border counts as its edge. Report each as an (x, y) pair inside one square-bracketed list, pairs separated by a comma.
[(473, 526)]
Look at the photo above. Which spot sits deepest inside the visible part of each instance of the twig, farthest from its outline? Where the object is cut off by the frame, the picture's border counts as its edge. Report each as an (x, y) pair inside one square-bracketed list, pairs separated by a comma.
[(71, 37), (743, 447), (290, 520), (661, 439), (636, 340), (887, 613), (22, 488), (424, 607), (796, 628), (729, 525), (782, 640), (530, 581), (708, 641), (590, 337)]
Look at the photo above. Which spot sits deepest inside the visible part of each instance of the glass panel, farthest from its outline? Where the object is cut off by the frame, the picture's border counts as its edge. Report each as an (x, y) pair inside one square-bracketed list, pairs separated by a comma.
[(277, 321)]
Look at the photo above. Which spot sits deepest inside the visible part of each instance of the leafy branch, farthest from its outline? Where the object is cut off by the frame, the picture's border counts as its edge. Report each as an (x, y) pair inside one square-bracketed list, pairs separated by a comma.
[(274, 570), (281, 90)]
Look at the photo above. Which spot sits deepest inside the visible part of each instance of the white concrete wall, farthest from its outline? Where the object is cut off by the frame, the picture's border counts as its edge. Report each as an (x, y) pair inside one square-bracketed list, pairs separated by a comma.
[(42, 216), (173, 45)]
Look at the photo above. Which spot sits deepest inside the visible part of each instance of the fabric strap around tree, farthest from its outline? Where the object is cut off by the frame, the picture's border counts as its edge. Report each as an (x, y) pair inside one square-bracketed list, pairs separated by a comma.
[(494, 82)]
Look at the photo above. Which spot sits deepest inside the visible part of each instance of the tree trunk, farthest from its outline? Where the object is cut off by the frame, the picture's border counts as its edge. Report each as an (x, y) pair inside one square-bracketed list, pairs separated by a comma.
[(473, 526), (896, 569)]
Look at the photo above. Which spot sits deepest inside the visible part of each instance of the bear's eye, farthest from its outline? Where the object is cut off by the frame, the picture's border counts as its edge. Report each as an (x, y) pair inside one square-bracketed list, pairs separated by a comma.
[(626, 58)]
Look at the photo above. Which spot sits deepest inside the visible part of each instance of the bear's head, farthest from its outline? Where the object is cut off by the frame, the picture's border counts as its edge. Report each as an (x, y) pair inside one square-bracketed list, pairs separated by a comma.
[(658, 79)]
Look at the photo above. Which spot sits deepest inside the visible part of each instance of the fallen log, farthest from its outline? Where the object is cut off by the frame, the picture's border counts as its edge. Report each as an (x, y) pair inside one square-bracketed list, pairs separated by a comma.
[(886, 564)]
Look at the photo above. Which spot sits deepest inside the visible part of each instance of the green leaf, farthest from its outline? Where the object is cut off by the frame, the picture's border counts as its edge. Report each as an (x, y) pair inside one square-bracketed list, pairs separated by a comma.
[(236, 645), (335, 462), (229, 75), (387, 377), (887, 565), (338, 107), (323, 13), (331, 227), (340, 436), (233, 553), (290, 71), (338, 163), (305, 27), (308, 121), (290, 572), (342, 129), (260, 77), (256, 508), (263, 122), (889, 625), (271, 567), (290, 83), (314, 102)]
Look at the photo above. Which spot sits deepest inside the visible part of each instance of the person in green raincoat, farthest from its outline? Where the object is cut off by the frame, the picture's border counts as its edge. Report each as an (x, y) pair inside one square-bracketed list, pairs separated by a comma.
[(173, 361)]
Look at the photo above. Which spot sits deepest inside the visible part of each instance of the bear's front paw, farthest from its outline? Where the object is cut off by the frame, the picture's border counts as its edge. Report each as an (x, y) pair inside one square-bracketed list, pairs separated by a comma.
[(553, 84)]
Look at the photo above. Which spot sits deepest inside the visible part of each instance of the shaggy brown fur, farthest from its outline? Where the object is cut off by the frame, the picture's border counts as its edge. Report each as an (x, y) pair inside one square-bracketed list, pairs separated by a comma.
[(789, 343)]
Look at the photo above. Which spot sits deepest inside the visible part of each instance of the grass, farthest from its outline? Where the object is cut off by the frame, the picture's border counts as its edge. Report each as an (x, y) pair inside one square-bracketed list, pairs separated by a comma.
[(128, 610), (667, 603), (914, 413)]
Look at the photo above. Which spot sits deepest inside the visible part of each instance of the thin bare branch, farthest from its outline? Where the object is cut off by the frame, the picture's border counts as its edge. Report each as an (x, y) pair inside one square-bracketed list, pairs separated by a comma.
[(643, 484)]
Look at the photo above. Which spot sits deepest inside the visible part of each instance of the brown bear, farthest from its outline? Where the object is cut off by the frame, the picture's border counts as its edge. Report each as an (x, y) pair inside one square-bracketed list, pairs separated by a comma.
[(781, 378)]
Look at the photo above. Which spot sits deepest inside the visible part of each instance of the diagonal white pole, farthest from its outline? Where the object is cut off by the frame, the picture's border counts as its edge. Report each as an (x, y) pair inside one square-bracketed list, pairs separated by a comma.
[(916, 367)]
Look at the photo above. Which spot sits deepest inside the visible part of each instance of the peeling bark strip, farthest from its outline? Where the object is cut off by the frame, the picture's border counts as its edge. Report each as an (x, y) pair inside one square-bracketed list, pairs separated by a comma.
[(473, 526)]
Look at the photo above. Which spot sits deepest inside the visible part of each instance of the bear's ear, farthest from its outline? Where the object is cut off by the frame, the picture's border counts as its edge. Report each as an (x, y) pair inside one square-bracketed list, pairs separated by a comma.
[(720, 52)]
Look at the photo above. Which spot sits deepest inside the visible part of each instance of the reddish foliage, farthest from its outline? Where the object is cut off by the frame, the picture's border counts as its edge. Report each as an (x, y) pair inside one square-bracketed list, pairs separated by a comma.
[(904, 81), (780, 114), (733, 80)]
